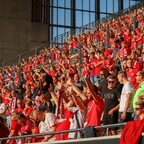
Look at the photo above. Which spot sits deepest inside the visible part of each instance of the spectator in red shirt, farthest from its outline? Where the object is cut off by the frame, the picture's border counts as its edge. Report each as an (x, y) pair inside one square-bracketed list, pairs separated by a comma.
[(28, 107), (123, 52), (92, 60), (86, 66), (98, 65), (139, 37), (137, 64), (131, 73), (133, 40), (14, 128), (94, 104), (35, 129), (20, 106)]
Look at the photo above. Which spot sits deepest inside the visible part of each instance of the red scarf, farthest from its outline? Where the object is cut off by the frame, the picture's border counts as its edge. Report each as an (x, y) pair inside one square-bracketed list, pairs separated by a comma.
[(60, 112)]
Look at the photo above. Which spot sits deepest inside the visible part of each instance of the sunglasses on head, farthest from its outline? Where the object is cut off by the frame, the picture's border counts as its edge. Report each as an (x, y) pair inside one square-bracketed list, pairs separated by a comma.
[(111, 82)]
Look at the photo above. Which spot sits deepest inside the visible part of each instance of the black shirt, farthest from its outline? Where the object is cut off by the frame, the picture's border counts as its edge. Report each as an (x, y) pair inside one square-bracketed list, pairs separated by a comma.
[(111, 97)]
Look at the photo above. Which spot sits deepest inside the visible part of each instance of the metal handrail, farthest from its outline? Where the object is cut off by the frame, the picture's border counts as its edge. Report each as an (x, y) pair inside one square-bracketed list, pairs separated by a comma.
[(101, 21), (80, 30), (64, 131)]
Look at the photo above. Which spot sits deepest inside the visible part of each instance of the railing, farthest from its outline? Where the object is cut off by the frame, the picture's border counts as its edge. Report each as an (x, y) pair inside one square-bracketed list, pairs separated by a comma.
[(64, 131), (115, 139), (26, 54), (60, 39), (92, 140)]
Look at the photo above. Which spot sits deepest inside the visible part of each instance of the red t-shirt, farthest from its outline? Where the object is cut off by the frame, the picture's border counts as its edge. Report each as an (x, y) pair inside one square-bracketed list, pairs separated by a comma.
[(16, 127), (137, 65), (139, 38), (108, 62), (86, 67), (52, 73), (20, 110), (92, 68), (133, 40), (64, 125), (27, 128), (94, 111), (74, 43), (123, 53), (97, 69), (107, 53), (131, 74), (28, 110)]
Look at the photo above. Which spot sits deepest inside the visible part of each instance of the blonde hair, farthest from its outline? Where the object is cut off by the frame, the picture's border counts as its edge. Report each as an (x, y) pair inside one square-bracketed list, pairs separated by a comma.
[(140, 103)]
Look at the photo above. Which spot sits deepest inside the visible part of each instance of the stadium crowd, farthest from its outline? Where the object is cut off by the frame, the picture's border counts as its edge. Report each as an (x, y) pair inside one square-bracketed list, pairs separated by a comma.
[(96, 78)]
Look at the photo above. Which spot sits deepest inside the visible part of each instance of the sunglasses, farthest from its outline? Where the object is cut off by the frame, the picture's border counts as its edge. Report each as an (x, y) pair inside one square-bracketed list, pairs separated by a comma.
[(112, 82), (138, 109), (102, 74)]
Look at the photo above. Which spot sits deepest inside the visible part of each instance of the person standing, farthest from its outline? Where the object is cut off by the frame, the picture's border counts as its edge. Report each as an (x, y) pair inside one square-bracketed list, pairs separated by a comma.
[(45, 81), (111, 96), (140, 90), (126, 108), (131, 73)]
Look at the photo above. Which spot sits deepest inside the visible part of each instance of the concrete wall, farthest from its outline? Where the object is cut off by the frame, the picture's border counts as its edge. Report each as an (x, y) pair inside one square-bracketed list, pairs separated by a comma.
[(94, 140), (17, 33)]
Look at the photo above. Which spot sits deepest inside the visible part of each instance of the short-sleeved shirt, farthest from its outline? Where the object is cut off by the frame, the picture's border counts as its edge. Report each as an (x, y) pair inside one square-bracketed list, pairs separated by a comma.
[(2, 107), (111, 97), (140, 91), (16, 127), (50, 120), (94, 111), (127, 89), (131, 74)]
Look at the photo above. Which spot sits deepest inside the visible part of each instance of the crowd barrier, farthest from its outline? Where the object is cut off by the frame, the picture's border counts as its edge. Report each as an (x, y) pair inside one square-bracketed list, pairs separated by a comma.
[(93, 140), (64, 131)]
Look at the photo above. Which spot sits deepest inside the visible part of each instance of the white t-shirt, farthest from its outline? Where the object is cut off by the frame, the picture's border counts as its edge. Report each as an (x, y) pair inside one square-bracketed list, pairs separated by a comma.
[(44, 127), (74, 122), (127, 89), (3, 107)]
